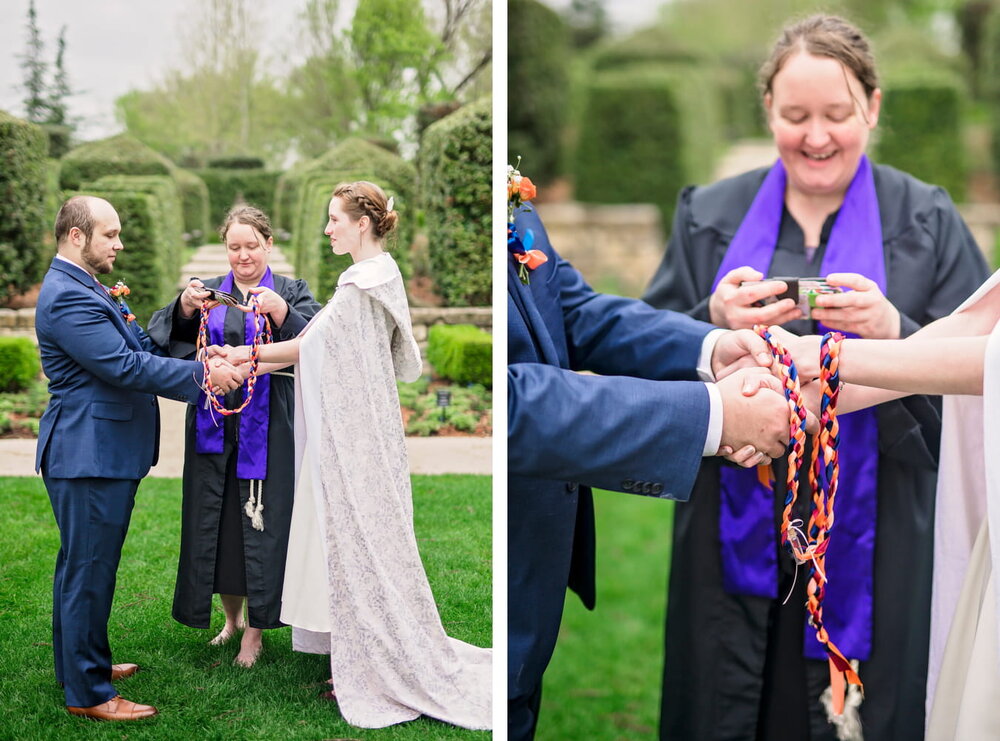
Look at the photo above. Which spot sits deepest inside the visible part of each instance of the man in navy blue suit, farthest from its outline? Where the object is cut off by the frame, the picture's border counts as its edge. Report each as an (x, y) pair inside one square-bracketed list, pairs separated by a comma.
[(641, 426), (98, 437)]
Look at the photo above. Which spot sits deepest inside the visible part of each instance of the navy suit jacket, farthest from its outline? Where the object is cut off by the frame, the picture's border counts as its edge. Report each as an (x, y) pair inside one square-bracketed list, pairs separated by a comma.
[(102, 420), (622, 430)]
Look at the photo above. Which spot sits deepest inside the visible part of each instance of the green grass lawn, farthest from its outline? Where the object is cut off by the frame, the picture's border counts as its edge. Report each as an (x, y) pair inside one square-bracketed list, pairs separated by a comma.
[(604, 679), (198, 691)]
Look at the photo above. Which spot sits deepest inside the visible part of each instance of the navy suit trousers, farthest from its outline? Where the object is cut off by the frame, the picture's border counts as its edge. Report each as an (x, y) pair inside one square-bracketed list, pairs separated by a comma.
[(93, 516)]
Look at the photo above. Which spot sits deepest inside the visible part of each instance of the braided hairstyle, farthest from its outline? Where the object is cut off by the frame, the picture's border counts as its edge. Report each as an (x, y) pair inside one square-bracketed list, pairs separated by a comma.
[(363, 198)]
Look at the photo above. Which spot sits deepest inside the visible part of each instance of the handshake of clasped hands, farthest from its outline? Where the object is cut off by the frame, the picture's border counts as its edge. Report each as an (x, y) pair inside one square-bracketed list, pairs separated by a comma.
[(228, 366), (756, 422)]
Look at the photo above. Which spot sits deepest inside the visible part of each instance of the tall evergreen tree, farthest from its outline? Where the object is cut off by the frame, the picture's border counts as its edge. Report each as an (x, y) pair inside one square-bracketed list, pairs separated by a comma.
[(32, 62)]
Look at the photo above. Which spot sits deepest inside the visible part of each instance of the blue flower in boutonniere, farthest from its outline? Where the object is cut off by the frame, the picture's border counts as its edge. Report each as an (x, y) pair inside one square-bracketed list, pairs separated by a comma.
[(520, 189), (118, 293)]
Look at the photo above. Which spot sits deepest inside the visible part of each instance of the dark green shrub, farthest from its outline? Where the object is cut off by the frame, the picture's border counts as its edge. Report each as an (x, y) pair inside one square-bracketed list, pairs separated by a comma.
[(920, 128), (167, 194), (19, 364), (351, 160), (537, 87), (236, 163), (226, 187), (23, 170), (646, 133), (649, 45), (145, 263), (461, 352), (125, 155), (455, 161)]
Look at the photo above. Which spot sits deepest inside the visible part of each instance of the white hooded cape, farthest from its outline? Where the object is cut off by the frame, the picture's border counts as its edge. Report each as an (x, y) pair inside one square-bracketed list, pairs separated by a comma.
[(355, 586), (963, 679)]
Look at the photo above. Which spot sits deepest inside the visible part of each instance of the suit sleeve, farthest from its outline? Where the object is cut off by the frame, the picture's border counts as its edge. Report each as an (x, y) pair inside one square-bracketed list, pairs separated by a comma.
[(88, 337), (605, 432)]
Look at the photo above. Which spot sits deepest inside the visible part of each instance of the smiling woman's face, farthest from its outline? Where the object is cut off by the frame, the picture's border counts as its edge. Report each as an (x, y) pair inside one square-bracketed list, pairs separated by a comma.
[(821, 121)]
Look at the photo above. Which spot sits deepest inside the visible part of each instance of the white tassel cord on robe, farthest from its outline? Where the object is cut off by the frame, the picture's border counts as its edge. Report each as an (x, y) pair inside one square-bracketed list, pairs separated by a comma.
[(390, 658), (963, 681)]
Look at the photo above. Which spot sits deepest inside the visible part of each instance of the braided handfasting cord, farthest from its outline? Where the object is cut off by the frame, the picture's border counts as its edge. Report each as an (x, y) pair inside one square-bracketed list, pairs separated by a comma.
[(262, 335), (823, 479)]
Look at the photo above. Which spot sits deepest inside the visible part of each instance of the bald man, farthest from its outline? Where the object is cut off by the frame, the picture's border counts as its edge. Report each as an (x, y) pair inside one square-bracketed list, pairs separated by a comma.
[(97, 439)]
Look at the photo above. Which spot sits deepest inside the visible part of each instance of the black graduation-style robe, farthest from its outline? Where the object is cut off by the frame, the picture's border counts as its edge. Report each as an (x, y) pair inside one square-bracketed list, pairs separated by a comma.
[(205, 474), (734, 665)]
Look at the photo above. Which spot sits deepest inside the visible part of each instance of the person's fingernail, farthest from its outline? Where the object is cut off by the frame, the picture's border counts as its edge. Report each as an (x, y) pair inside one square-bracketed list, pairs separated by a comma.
[(764, 358)]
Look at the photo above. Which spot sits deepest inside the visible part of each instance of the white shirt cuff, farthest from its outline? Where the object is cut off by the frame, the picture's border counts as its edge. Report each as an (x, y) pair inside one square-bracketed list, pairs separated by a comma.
[(714, 435), (705, 359)]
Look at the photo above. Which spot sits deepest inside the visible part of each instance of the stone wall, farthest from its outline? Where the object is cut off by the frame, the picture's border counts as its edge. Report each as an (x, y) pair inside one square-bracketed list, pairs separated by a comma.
[(21, 322), (616, 248)]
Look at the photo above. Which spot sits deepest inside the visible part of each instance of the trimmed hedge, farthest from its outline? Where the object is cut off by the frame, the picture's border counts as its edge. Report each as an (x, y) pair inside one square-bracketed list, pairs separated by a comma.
[(226, 187), (146, 263), (19, 363), (461, 352), (167, 193), (537, 88), (920, 128), (23, 173), (313, 184), (646, 133), (125, 155), (236, 163), (455, 163)]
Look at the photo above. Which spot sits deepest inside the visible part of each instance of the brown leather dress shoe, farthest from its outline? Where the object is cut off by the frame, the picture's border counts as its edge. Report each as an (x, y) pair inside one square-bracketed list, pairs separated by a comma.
[(122, 671), (117, 708)]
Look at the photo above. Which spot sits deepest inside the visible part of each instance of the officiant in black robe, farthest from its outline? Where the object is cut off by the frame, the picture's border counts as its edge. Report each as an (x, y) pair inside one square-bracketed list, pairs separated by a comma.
[(221, 550), (736, 663)]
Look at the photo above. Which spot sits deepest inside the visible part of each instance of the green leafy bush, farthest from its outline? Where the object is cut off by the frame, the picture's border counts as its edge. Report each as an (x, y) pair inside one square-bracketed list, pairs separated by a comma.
[(537, 87), (455, 161), (920, 128), (19, 364), (647, 131), (125, 155), (351, 160), (226, 187), (469, 406), (168, 197), (236, 163), (146, 265), (461, 352), (23, 228)]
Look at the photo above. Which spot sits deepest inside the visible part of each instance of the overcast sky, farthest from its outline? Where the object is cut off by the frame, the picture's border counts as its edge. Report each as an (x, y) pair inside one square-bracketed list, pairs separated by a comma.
[(625, 15), (113, 46)]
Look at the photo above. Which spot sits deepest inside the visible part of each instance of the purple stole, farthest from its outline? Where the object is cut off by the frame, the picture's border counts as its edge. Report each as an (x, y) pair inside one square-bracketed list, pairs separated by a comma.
[(251, 456), (747, 533)]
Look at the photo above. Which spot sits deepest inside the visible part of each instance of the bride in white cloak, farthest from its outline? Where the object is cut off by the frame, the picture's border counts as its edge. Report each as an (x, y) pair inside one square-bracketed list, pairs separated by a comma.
[(958, 356), (355, 586)]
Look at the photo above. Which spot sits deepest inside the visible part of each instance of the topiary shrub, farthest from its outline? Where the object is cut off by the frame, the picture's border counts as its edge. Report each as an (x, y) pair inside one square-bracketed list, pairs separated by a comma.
[(19, 363), (23, 228), (145, 265), (236, 163), (920, 128), (455, 160), (352, 159), (646, 133), (461, 352), (537, 87), (126, 155), (167, 194), (226, 187)]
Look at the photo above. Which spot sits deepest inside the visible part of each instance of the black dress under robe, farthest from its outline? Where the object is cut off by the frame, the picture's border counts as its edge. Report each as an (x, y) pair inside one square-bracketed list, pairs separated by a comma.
[(734, 666), (220, 552)]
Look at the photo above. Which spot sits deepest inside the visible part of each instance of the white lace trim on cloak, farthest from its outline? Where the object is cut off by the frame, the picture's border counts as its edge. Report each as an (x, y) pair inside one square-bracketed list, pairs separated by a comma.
[(370, 273)]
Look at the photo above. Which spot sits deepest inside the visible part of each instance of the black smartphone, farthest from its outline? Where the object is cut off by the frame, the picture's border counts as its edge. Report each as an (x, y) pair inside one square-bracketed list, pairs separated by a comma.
[(801, 290)]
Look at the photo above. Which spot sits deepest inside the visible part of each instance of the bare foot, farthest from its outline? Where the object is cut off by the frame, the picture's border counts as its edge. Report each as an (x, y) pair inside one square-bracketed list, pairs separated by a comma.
[(228, 631), (329, 694), (250, 648)]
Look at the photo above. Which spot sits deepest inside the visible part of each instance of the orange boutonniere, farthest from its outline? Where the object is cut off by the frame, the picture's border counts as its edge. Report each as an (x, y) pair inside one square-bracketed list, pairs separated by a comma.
[(118, 293), (520, 190)]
